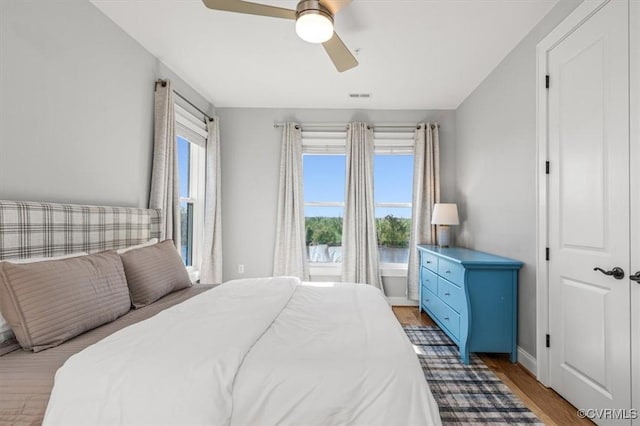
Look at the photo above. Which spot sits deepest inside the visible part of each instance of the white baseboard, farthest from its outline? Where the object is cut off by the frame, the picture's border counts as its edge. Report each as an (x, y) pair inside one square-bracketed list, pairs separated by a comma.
[(528, 361), (401, 301)]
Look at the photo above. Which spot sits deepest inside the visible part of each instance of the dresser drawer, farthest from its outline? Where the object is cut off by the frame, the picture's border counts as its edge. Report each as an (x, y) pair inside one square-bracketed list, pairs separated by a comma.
[(451, 294), (429, 280), (429, 261), (429, 301), (447, 316), (452, 271)]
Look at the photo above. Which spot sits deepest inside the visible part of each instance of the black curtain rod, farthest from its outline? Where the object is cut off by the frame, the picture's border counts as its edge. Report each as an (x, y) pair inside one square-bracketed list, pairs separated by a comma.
[(380, 125), (164, 84)]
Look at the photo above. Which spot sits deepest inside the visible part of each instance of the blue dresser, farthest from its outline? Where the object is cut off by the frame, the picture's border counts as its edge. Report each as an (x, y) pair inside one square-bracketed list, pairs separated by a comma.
[(472, 296)]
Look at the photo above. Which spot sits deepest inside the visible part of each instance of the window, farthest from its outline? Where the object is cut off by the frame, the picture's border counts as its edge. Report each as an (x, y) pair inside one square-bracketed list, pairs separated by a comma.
[(191, 140), (324, 167), (393, 187), (393, 194), (324, 183)]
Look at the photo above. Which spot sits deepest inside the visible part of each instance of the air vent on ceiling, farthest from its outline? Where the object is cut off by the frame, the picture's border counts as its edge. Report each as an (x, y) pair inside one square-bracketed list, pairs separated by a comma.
[(359, 95)]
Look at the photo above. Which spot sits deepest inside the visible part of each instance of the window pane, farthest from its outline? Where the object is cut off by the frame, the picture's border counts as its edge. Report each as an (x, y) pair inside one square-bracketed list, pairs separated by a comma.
[(393, 178), (323, 177), (393, 183), (310, 211), (394, 231), (403, 212), (186, 231), (184, 147), (324, 234)]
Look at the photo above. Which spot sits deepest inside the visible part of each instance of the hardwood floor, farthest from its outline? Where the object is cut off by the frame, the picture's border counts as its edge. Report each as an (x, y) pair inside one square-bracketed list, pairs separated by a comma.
[(550, 407)]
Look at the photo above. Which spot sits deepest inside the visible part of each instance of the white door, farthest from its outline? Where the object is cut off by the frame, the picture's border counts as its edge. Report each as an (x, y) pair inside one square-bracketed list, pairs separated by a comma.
[(634, 79), (588, 125)]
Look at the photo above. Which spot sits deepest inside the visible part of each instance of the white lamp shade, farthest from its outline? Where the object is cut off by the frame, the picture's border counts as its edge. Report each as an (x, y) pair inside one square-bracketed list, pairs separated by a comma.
[(445, 214), (314, 27)]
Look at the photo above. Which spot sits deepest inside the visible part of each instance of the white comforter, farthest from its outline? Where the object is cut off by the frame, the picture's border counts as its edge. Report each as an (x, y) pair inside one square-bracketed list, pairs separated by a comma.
[(252, 352)]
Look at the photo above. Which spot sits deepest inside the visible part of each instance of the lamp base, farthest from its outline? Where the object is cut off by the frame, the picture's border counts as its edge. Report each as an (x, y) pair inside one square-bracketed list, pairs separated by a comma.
[(444, 236)]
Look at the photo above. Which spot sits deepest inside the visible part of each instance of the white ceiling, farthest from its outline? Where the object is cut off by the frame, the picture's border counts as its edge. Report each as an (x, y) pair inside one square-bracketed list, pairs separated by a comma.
[(413, 54)]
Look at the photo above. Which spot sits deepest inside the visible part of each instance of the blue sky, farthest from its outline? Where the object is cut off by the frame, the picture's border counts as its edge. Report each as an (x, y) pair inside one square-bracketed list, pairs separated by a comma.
[(183, 166), (324, 180), (183, 176)]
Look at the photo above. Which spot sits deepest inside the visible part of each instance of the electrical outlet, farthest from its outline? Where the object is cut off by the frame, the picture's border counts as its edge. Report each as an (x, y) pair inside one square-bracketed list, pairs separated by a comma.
[(241, 268)]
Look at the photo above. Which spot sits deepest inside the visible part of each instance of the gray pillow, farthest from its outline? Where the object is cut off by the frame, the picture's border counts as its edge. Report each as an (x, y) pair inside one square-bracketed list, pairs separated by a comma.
[(153, 272), (5, 330), (47, 303)]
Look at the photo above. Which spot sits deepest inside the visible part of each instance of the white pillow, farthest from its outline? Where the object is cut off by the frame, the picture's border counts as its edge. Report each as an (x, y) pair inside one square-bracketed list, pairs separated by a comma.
[(5, 331), (147, 244)]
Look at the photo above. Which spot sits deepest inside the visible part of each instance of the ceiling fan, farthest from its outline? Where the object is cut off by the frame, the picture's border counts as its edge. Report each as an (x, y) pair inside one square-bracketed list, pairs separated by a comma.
[(314, 23)]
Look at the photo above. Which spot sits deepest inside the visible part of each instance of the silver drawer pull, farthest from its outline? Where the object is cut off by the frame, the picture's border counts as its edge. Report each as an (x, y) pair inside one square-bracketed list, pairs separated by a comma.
[(428, 261), (447, 272), (447, 294), (446, 318)]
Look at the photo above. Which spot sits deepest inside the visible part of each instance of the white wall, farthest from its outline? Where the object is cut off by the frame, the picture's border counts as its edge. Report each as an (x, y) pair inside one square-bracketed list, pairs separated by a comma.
[(250, 166), (76, 105), (496, 165)]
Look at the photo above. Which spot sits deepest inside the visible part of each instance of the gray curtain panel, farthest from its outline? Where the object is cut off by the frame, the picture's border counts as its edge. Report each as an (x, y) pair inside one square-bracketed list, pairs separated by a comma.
[(360, 260), (164, 175), (426, 193), (211, 267), (290, 257)]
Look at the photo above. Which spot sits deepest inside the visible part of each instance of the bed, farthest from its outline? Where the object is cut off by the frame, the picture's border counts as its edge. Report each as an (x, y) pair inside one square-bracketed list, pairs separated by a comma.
[(247, 352)]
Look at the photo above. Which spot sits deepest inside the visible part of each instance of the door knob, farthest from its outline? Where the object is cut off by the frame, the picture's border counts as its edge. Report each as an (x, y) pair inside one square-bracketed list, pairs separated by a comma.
[(617, 272), (635, 277)]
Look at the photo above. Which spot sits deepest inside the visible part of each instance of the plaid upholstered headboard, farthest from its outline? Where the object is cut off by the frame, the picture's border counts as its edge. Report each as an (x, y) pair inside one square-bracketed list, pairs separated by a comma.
[(32, 229)]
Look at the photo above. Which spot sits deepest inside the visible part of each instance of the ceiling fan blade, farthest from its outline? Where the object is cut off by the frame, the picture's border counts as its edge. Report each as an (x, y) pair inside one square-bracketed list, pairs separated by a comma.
[(334, 6), (339, 54), (250, 8)]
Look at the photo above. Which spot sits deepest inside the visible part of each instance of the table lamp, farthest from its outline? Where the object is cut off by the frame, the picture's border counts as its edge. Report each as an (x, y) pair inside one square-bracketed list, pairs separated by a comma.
[(445, 214)]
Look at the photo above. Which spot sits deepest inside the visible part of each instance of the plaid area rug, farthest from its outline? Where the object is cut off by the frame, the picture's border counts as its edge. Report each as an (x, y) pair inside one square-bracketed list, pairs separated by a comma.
[(466, 394)]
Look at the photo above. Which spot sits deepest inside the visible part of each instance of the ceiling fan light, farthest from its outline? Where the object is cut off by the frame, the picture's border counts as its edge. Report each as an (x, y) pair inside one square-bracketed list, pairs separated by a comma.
[(314, 26)]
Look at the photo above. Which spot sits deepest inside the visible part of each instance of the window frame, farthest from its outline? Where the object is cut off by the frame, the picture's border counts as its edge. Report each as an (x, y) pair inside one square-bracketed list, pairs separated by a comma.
[(394, 269), (328, 268), (332, 142), (196, 199), (193, 130)]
